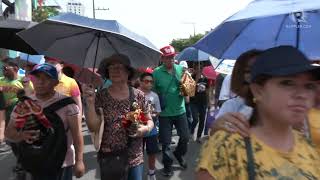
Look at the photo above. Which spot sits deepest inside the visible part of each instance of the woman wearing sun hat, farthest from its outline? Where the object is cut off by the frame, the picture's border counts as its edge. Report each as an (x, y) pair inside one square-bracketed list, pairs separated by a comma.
[(120, 155)]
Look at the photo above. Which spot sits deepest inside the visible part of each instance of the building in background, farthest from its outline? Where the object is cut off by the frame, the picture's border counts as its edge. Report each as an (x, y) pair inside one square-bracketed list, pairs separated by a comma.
[(76, 7), (52, 3), (23, 10)]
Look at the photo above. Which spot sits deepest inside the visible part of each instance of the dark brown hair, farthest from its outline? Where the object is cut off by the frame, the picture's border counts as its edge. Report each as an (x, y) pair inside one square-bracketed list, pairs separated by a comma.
[(239, 70), (10, 62), (260, 80), (145, 74), (67, 70), (122, 59)]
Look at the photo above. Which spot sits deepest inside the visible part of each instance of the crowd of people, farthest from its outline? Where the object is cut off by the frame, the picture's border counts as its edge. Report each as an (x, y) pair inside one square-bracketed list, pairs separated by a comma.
[(266, 126)]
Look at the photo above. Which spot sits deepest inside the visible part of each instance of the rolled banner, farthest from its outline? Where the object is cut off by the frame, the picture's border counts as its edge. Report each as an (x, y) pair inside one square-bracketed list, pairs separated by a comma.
[(35, 59)]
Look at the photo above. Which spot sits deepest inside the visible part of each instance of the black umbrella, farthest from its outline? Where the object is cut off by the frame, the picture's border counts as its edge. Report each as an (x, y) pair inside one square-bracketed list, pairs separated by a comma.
[(9, 38), (86, 42)]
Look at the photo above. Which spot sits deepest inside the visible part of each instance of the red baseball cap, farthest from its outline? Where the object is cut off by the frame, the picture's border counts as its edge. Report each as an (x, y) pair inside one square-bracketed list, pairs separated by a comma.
[(149, 70), (168, 51)]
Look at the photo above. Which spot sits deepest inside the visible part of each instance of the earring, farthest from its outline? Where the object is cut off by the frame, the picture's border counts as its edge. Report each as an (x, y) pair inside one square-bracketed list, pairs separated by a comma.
[(254, 100)]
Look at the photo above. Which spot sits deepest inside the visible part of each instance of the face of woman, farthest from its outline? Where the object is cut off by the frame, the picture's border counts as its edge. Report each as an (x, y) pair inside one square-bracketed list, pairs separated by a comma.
[(118, 73), (286, 99)]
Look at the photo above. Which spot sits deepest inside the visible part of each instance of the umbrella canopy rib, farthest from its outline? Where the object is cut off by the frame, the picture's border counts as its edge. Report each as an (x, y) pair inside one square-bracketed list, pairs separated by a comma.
[(97, 48), (298, 35), (74, 35), (111, 43), (280, 28), (105, 35), (219, 64), (95, 56), (90, 44)]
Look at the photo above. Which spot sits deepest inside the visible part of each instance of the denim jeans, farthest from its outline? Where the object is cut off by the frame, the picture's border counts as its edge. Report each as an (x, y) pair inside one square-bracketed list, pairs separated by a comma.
[(64, 174), (206, 129), (165, 130), (189, 115), (136, 172), (114, 164), (199, 112)]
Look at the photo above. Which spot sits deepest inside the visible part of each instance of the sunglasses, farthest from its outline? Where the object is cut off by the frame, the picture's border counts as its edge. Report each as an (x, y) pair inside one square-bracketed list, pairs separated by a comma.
[(147, 81)]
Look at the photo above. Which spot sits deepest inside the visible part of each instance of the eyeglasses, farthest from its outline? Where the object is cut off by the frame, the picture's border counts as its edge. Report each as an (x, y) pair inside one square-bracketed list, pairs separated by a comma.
[(146, 81)]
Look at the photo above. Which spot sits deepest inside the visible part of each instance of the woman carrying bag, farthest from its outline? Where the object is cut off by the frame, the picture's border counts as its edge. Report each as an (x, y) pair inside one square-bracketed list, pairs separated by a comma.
[(120, 155), (283, 88)]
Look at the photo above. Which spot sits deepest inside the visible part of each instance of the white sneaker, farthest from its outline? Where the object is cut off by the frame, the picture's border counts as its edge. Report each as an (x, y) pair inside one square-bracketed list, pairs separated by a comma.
[(152, 176)]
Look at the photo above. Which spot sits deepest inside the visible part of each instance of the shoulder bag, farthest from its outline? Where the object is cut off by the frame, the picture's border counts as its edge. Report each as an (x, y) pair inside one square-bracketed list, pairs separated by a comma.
[(188, 85), (250, 159)]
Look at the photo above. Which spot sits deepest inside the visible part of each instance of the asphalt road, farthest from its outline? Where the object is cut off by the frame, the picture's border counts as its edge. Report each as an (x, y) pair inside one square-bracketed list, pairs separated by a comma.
[(7, 162)]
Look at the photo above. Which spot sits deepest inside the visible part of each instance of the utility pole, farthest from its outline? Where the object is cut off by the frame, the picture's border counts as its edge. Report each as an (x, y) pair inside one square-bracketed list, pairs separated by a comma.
[(194, 26), (93, 8), (98, 9)]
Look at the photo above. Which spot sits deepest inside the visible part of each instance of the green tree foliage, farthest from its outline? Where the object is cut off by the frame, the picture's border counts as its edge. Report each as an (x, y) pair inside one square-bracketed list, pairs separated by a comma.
[(42, 13), (180, 44)]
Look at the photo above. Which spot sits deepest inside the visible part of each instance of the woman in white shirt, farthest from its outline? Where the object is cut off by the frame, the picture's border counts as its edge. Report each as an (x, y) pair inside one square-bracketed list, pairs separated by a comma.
[(240, 86)]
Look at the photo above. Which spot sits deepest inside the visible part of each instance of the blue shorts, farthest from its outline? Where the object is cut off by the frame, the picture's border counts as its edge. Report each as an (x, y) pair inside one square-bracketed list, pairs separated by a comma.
[(151, 144)]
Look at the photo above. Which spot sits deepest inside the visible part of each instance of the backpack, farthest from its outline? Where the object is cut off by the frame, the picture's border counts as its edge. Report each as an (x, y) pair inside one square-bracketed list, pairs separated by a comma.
[(47, 154)]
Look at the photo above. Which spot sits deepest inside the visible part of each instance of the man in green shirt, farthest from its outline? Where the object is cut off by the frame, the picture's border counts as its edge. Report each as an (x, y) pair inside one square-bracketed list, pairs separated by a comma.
[(167, 79), (10, 84)]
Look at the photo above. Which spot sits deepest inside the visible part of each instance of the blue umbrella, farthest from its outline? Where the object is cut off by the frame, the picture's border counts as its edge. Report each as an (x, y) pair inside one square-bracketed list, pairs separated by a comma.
[(266, 24), (192, 54), (85, 42)]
